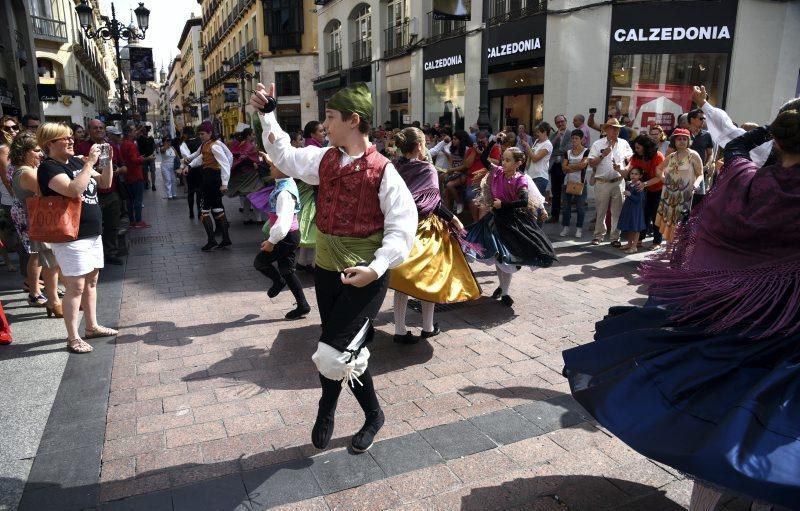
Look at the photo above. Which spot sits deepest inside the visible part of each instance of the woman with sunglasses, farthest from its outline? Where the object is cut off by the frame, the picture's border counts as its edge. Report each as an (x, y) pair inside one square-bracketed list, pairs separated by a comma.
[(10, 128), (61, 173)]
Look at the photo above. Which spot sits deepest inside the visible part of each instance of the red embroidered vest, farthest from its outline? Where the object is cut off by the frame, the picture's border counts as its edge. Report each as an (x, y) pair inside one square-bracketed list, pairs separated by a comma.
[(347, 200)]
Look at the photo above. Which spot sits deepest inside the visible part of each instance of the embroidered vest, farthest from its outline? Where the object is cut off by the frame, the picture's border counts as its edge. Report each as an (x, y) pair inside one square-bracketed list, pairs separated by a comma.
[(209, 162), (347, 201), (287, 185)]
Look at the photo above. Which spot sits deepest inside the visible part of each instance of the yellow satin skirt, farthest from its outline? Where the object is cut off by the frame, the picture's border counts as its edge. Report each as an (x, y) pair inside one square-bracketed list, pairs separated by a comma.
[(436, 269)]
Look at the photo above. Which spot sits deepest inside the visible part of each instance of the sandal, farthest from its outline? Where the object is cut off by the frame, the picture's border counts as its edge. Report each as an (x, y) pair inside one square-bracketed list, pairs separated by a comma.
[(79, 346), (655, 246), (595, 241), (632, 250), (616, 244), (37, 301), (100, 331)]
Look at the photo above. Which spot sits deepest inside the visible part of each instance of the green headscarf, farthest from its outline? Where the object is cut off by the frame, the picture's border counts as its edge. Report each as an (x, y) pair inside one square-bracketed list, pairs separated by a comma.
[(356, 98)]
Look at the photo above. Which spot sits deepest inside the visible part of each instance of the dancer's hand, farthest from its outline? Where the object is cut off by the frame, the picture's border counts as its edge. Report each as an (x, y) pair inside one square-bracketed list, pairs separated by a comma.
[(496, 204), (267, 246), (359, 276), (223, 189)]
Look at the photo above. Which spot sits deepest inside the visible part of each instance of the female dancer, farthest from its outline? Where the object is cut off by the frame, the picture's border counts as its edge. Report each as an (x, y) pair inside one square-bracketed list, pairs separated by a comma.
[(707, 380), (509, 235), (436, 270)]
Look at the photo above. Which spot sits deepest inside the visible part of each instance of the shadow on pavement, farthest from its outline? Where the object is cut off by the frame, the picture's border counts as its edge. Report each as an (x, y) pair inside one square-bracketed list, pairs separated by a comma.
[(173, 335), (573, 492)]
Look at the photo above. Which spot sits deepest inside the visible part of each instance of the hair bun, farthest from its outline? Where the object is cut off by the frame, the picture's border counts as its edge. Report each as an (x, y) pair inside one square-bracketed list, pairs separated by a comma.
[(785, 130)]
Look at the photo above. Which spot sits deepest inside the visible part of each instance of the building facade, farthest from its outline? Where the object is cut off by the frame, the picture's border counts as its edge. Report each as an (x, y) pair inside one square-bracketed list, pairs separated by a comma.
[(561, 56), (18, 94), (279, 37), (175, 95), (72, 78), (192, 70)]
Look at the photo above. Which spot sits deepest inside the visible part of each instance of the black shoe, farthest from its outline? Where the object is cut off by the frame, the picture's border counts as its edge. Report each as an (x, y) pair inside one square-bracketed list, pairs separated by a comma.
[(191, 214), (408, 338), (365, 437), (298, 312), (507, 301), (225, 243), (276, 288), (322, 432), (114, 260), (497, 293), (436, 331), (154, 188), (209, 246)]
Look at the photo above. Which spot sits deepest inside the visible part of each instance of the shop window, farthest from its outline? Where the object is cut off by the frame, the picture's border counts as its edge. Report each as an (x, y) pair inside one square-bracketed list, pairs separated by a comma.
[(444, 100), (283, 23), (288, 83), (657, 88), (398, 97)]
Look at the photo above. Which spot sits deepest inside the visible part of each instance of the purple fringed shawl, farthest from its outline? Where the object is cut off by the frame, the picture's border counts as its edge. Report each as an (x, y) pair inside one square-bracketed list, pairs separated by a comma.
[(504, 188), (736, 262), (423, 183)]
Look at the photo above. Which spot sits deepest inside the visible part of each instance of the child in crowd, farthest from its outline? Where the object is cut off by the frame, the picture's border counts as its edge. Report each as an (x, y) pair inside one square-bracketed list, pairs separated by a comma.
[(631, 219)]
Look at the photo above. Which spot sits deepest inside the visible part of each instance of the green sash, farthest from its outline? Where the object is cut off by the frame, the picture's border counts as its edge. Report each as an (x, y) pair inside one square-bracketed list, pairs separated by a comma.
[(335, 253)]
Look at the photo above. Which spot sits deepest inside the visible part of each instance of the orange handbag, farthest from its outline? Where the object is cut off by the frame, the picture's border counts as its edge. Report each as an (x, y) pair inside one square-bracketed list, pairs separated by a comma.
[(54, 219)]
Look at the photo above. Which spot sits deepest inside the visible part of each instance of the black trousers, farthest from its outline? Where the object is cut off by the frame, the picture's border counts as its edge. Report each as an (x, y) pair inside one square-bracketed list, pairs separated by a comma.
[(556, 184), (210, 195), (110, 206), (284, 254), (342, 308), (650, 210)]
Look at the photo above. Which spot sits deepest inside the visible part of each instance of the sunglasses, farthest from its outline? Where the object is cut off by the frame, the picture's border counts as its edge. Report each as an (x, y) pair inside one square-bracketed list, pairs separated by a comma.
[(13, 127), (68, 139)]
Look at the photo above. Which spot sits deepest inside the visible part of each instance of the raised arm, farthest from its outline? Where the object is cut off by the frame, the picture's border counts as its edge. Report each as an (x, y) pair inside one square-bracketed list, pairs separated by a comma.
[(746, 142)]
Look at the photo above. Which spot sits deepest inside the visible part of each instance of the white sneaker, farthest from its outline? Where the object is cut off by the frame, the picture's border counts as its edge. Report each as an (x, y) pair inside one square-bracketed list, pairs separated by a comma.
[(564, 232), (578, 233)]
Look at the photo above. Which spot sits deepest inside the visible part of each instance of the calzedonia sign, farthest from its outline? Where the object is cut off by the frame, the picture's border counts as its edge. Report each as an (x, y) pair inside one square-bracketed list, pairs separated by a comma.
[(673, 27), (444, 58), (517, 40)]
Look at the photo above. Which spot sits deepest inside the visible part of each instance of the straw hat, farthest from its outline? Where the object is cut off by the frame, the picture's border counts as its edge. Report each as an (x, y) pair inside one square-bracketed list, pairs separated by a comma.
[(613, 122)]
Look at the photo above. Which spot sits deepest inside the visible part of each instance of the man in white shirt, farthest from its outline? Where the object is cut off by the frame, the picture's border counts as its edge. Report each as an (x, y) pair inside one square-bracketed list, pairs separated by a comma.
[(440, 151), (607, 157), (366, 221)]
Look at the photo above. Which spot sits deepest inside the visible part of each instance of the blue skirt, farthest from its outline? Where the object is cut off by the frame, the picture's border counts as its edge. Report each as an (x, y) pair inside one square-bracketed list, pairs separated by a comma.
[(720, 407)]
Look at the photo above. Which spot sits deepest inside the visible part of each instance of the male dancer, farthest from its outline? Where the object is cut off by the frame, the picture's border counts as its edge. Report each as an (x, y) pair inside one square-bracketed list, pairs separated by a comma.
[(364, 213)]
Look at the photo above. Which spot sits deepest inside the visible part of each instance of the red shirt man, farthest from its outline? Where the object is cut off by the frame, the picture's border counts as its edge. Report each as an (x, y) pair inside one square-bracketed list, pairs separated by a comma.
[(132, 159)]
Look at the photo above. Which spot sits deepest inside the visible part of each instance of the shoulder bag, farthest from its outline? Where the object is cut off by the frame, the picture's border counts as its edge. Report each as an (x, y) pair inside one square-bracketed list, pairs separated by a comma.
[(54, 219), (576, 187)]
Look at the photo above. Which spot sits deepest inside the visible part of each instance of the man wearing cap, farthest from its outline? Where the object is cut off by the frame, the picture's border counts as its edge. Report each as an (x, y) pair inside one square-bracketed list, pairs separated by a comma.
[(108, 198), (607, 157), (367, 221), (215, 160)]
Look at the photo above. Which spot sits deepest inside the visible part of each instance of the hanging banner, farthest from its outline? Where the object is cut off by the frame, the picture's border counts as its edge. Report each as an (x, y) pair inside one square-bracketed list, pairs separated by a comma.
[(142, 66), (517, 40), (444, 58), (231, 92), (452, 9)]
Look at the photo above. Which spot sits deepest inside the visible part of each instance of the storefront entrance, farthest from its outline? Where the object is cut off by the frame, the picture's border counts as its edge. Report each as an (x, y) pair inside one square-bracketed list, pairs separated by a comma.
[(512, 107)]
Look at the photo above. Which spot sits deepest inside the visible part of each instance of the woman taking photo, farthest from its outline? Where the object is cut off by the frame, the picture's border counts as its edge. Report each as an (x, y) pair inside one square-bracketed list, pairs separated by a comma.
[(26, 155), (61, 173)]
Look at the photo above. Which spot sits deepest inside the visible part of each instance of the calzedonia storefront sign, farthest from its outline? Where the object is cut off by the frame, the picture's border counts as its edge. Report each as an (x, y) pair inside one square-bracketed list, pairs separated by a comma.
[(517, 40), (673, 27), (444, 58)]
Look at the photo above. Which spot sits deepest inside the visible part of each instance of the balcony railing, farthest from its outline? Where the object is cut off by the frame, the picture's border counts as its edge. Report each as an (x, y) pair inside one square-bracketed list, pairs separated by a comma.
[(440, 29), (237, 60), (238, 10), (49, 28), (501, 11), (333, 61), (362, 52), (286, 41), (398, 39)]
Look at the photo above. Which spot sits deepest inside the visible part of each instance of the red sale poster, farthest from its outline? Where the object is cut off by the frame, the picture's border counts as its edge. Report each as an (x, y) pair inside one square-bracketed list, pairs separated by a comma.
[(660, 104)]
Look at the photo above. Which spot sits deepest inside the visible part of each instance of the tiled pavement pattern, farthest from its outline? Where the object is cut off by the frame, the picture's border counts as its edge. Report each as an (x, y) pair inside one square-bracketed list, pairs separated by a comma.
[(213, 393)]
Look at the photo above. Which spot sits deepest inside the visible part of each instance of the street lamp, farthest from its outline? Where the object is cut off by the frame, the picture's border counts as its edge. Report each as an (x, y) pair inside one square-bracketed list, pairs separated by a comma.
[(114, 30), (242, 75)]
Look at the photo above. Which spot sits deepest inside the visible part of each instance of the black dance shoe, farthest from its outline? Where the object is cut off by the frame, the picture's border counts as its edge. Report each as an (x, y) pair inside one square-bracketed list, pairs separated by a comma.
[(497, 293), (276, 288), (209, 246), (298, 312), (407, 338), (225, 243), (322, 432), (365, 437), (507, 301), (436, 331)]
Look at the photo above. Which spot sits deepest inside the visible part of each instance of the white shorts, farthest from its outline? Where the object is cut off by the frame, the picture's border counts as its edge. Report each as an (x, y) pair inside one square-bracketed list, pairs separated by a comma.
[(79, 257)]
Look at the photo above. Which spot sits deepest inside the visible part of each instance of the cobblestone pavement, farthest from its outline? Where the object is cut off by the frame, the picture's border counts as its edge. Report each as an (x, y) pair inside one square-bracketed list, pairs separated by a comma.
[(213, 394)]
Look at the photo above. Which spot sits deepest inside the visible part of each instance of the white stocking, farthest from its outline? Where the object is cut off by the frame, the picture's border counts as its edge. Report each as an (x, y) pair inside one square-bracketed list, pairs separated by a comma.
[(505, 281), (427, 316), (400, 307)]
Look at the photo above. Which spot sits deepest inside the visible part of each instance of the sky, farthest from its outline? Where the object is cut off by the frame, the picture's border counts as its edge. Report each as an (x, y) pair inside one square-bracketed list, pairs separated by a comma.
[(167, 18)]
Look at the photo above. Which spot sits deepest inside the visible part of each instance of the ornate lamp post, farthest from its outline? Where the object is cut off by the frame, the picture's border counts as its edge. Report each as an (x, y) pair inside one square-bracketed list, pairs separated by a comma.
[(114, 30), (242, 75)]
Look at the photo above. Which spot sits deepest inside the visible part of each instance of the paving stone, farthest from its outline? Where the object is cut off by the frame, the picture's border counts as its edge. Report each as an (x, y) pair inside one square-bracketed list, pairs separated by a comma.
[(160, 501), (549, 416), (375, 496), (458, 439), (403, 454), (195, 434), (131, 446), (533, 451), (505, 426), (226, 493), (164, 421), (281, 484), (481, 465), (341, 470)]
